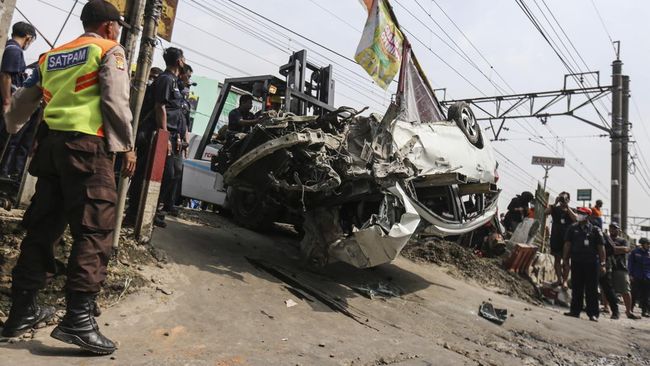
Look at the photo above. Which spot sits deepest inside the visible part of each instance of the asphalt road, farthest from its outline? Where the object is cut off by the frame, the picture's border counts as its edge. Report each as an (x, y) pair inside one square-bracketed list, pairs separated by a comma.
[(226, 304)]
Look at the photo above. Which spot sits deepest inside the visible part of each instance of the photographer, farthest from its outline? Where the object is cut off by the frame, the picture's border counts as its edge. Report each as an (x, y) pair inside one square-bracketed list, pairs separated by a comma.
[(562, 216)]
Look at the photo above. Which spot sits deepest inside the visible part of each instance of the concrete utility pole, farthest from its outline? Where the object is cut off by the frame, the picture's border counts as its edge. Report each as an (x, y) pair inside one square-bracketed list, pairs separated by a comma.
[(134, 12), (152, 12), (6, 14), (617, 135), (625, 105)]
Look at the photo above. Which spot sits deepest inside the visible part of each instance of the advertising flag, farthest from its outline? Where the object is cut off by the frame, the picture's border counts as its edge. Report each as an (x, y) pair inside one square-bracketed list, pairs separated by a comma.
[(380, 49)]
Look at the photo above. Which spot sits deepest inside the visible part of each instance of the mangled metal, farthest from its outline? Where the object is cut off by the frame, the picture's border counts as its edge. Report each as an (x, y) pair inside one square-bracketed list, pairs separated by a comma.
[(356, 185)]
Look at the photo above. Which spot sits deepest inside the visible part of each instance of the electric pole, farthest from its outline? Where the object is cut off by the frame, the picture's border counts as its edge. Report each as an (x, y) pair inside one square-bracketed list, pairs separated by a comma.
[(617, 136), (6, 14), (152, 12), (625, 149), (134, 13)]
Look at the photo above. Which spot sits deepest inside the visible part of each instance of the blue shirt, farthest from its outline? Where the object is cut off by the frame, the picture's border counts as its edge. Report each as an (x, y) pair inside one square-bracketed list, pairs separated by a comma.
[(639, 264), (13, 63)]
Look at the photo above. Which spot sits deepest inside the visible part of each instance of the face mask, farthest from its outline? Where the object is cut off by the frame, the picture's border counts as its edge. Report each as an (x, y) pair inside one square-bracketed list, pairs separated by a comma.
[(582, 217)]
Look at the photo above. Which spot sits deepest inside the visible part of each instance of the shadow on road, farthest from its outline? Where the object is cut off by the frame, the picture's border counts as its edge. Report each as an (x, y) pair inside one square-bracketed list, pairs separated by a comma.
[(231, 251), (38, 348)]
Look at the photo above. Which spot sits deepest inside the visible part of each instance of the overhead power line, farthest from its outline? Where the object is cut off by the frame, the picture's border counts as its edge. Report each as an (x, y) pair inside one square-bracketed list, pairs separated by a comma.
[(602, 22), (291, 31), (268, 38)]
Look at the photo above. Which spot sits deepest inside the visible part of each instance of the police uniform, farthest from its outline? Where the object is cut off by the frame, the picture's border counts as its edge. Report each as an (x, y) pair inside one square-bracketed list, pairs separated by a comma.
[(85, 87), (166, 90), (584, 240)]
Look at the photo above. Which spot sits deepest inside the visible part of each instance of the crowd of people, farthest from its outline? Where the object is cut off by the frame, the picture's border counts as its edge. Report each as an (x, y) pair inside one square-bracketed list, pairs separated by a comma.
[(593, 260)]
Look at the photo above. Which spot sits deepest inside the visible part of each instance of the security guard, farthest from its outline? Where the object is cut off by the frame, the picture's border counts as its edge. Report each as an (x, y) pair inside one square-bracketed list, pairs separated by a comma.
[(85, 86), (584, 247)]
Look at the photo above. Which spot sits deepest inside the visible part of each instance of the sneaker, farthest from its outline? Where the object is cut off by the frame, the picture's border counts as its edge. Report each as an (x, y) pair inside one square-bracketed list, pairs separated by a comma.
[(632, 316), (593, 318), (616, 316), (646, 314)]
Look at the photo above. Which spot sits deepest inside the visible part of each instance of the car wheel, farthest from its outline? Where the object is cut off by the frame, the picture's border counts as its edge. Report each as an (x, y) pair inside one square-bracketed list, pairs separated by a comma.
[(462, 114), (250, 210)]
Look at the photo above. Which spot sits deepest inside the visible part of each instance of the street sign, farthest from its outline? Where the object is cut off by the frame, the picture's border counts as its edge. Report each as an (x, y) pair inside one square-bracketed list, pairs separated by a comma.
[(547, 161), (584, 195)]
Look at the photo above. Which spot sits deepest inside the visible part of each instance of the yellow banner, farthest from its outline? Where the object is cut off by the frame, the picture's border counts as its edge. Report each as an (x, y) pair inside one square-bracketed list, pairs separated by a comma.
[(380, 49), (120, 5), (167, 16)]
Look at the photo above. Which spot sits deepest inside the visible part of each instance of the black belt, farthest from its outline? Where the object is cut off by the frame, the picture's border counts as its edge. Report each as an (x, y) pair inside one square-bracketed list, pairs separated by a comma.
[(66, 133)]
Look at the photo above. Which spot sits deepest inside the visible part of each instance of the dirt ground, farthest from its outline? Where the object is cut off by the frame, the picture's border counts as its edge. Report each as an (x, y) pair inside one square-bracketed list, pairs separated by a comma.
[(464, 264), (229, 296), (124, 276)]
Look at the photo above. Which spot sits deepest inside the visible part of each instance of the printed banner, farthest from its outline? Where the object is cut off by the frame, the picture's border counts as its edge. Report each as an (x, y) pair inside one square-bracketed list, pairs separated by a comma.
[(167, 16), (418, 102), (380, 49)]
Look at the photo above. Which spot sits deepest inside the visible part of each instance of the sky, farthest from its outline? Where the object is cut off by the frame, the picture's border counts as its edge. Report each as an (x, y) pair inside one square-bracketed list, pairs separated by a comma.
[(223, 40)]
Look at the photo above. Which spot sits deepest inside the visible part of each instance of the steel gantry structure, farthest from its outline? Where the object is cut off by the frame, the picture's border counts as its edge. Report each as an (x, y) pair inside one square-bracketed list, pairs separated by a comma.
[(498, 109), (538, 104)]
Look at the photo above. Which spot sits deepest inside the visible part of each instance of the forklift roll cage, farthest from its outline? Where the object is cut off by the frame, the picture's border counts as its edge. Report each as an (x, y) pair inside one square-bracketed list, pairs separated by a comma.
[(300, 94)]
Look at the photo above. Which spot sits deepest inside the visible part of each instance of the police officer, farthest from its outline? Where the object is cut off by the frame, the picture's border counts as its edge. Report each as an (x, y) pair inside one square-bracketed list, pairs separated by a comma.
[(85, 86), (168, 110), (584, 256)]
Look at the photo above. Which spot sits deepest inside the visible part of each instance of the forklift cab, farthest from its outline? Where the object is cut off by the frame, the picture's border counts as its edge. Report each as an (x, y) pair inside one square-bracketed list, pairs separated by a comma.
[(306, 90)]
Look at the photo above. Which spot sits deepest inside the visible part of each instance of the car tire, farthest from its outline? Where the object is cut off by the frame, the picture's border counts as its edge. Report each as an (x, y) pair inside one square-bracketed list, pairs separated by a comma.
[(250, 210), (462, 114)]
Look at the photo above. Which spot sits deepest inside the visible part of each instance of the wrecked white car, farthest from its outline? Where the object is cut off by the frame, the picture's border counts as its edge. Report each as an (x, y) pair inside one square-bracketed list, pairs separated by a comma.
[(357, 186)]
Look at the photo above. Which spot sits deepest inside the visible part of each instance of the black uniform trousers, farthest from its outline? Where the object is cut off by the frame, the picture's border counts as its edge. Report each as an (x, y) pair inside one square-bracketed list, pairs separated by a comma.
[(641, 292), (172, 174), (584, 284), (76, 187), (142, 148), (608, 290)]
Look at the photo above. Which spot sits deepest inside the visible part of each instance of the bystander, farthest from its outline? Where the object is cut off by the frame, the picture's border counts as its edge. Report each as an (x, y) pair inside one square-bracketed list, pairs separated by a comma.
[(12, 77), (620, 277), (639, 266), (562, 216)]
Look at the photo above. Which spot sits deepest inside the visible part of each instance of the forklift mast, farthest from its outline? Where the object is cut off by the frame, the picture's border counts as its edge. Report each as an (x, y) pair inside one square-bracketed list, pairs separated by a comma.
[(306, 86), (301, 93)]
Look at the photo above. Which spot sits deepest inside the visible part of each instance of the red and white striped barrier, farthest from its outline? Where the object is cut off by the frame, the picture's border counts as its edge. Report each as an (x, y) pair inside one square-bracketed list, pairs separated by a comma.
[(151, 186), (521, 258)]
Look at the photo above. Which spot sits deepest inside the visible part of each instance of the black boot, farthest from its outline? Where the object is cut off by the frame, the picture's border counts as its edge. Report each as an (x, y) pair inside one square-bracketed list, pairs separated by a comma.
[(25, 313), (79, 327)]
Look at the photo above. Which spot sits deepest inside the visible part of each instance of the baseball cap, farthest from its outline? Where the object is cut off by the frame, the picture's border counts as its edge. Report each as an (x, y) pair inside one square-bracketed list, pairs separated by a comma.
[(584, 210), (643, 241), (96, 11), (615, 225)]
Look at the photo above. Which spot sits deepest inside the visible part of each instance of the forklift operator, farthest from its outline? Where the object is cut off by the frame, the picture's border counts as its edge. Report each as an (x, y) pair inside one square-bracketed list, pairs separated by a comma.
[(241, 119)]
